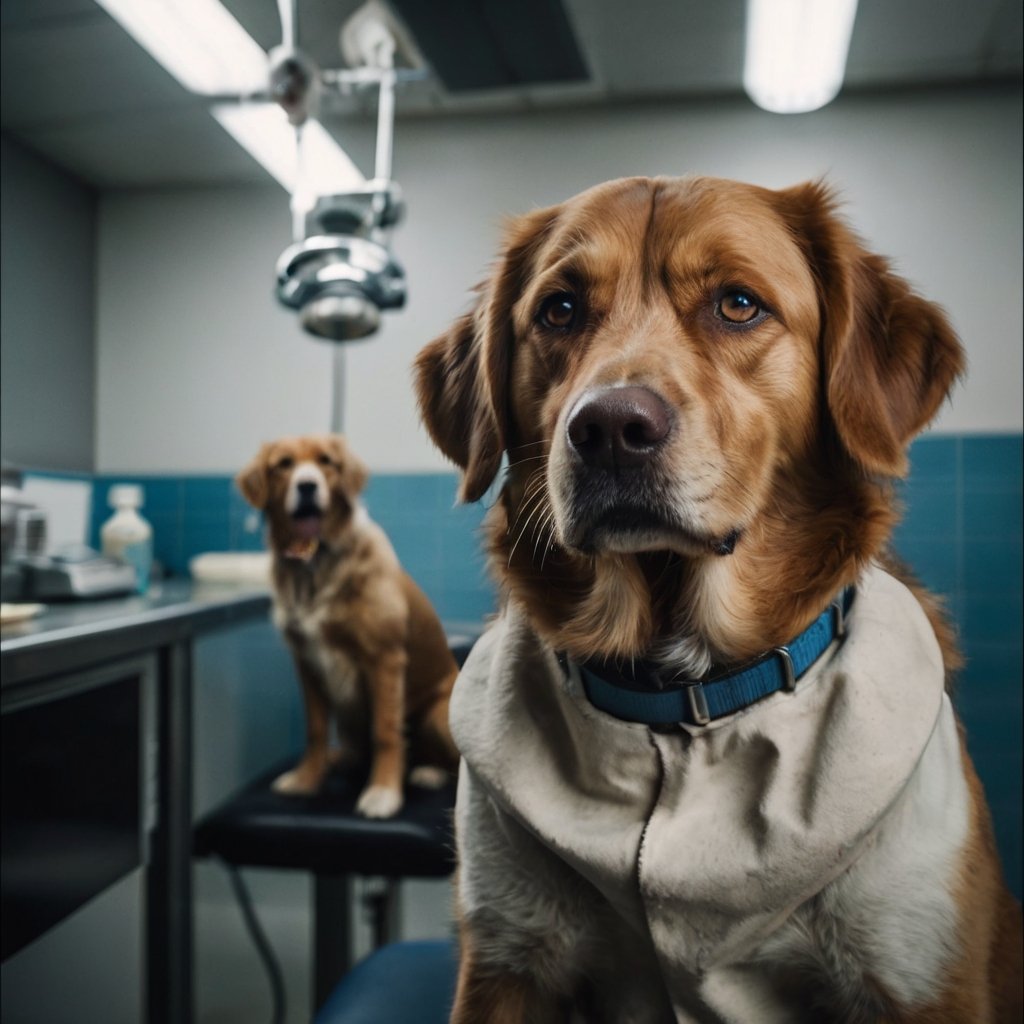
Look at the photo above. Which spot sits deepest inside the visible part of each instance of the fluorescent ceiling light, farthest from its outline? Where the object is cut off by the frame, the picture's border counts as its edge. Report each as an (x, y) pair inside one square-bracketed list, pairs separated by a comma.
[(263, 129), (796, 52), (197, 41), (201, 44)]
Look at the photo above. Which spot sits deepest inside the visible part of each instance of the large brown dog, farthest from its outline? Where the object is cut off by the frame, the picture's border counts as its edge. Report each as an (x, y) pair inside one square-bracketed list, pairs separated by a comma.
[(365, 639), (705, 390)]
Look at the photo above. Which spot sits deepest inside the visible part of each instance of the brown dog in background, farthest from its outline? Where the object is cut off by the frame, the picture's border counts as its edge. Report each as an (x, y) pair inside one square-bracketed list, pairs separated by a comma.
[(705, 391), (366, 641)]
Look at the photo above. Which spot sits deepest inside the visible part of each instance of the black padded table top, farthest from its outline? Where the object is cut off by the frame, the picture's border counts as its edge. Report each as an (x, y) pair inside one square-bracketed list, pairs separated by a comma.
[(323, 834)]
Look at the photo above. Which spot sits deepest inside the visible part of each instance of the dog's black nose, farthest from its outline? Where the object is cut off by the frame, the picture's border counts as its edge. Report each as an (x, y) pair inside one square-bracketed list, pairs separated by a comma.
[(307, 489), (619, 427)]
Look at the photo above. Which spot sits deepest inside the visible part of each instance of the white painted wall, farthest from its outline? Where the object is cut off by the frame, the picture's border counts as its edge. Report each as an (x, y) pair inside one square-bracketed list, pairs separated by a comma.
[(47, 297), (196, 364)]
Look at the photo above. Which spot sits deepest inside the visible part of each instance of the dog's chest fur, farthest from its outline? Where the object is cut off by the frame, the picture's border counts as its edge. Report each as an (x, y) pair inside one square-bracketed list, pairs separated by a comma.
[(306, 596)]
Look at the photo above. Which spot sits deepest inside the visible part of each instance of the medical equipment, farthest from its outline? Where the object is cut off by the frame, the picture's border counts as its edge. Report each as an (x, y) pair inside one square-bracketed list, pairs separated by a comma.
[(339, 274)]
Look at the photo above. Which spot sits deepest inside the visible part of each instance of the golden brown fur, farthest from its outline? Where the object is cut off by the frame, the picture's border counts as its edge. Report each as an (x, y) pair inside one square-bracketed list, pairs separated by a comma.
[(499, 999), (365, 639), (811, 435), (773, 487)]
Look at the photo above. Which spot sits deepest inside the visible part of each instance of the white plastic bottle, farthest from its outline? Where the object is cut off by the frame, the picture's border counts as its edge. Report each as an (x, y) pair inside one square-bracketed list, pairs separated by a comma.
[(126, 535)]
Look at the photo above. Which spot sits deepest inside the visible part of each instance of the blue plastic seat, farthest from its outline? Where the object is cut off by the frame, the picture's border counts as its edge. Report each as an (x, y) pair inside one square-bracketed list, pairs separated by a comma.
[(404, 983)]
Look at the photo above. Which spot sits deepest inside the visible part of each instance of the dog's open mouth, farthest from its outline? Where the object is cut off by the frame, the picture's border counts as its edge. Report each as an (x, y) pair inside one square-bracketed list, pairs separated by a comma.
[(306, 524)]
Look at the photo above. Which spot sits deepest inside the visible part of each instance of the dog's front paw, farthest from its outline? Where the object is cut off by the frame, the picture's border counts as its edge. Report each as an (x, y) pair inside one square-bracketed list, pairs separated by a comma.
[(379, 802), (428, 776), (297, 783)]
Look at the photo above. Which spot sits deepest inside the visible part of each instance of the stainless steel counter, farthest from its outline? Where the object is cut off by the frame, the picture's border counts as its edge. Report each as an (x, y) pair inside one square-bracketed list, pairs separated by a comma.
[(70, 636)]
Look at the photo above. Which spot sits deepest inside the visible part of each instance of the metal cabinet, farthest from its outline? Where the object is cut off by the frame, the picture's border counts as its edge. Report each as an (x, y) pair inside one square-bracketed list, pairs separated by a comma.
[(79, 807)]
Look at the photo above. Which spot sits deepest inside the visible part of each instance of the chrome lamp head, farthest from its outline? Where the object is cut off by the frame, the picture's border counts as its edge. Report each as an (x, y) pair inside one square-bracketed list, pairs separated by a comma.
[(342, 275)]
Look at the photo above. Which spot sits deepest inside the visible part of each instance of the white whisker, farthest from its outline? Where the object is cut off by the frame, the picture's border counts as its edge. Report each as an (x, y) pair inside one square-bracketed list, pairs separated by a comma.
[(538, 506)]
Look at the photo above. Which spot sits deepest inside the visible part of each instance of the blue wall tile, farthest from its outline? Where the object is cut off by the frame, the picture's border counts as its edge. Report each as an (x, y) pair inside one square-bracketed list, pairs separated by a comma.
[(471, 604), (988, 663), (206, 533), (977, 565), (246, 529), (992, 513), (207, 495), (930, 558), (168, 540), (992, 461), (993, 565), (236, 502), (930, 509), (992, 618), (936, 459)]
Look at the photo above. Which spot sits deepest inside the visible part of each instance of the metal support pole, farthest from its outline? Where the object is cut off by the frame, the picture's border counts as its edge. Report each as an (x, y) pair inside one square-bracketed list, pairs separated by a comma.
[(338, 390), (287, 10), (385, 124)]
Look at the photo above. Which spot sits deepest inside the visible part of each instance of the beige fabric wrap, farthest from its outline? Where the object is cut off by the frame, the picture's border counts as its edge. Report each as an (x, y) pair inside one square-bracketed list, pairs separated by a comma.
[(700, 841)]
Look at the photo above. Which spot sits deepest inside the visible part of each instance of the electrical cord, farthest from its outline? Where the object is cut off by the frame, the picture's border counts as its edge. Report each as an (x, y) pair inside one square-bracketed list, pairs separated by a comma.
[(260, 941)]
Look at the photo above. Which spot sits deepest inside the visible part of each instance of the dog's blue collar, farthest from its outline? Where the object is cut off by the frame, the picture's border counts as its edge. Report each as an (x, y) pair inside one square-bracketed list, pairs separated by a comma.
[(645, 696)]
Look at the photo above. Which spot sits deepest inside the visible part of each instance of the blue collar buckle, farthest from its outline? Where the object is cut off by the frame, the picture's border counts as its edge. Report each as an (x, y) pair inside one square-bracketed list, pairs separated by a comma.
[(644, 697), (698, 703)]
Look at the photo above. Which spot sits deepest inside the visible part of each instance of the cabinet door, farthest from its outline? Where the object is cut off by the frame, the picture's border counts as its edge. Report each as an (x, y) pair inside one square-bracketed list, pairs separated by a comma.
[(75, 811)]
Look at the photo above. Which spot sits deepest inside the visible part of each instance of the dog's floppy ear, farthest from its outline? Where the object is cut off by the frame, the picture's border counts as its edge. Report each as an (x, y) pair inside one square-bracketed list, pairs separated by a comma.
[(890, 357), (354, 472), (252, 481), (462, 376)]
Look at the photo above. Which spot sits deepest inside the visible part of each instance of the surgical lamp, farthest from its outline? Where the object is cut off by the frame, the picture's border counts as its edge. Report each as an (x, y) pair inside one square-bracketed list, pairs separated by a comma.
[(339, 274)]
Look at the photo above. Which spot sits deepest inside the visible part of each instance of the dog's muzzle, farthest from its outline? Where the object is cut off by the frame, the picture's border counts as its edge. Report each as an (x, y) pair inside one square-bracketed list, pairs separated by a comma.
[(617, 487), (613, 436)]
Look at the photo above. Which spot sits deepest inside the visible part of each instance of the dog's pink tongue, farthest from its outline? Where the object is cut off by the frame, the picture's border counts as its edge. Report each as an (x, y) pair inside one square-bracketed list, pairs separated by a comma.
[(307, 528)]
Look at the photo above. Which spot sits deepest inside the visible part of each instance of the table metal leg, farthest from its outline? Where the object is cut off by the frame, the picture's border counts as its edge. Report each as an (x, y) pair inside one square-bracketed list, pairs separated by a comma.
[(332, 933), (169, 895)]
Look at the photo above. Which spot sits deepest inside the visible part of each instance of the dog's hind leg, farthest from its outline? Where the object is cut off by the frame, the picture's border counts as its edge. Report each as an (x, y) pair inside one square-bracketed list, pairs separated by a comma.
[(432, 751), (434, 736)]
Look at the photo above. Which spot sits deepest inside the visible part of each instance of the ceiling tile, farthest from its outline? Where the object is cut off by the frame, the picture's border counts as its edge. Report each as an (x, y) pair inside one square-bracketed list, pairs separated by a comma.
[(36, 12), (81, 68), (179, 146), (76, 87), (917, 40), (665, 47), (1005, 42)]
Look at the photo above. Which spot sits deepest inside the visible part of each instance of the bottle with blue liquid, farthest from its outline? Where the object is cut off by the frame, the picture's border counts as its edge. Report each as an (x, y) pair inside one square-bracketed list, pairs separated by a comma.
[(126, 536)]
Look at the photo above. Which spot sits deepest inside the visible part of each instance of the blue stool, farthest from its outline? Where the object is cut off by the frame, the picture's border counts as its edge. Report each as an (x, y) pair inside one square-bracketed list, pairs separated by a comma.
[(404, 983)]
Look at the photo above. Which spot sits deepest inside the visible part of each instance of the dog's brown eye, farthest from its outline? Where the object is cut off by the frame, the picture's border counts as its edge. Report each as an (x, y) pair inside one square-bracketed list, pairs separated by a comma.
[(738, 307), (558, 311), (324, 460), (285, 463)]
